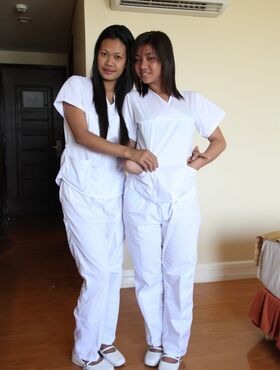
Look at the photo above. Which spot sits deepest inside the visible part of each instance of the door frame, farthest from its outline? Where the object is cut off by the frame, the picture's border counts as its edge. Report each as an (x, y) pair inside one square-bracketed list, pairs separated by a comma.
[(3, 176)]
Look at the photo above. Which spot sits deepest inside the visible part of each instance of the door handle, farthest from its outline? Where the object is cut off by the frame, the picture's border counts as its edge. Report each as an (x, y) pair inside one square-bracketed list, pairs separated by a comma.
[(58, 148)]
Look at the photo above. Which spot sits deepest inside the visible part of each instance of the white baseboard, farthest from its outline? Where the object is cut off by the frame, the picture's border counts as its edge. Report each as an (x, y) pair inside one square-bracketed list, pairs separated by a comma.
[(128, 279), (207, 272), (225, 271)]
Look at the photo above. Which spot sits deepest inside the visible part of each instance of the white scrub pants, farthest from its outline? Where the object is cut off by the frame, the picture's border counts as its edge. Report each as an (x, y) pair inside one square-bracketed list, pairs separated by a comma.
[(95, 235), (162, 239)]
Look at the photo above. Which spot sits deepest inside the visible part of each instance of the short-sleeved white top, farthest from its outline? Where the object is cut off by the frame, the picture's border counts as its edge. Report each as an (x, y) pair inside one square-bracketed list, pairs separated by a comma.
[(89, 172), (167, 130)]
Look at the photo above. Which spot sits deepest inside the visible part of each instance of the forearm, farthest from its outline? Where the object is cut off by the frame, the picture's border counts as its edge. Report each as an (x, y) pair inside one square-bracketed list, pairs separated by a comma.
[(77, 122), (78, 125), (214, 149), (101, 145), (217, 145)]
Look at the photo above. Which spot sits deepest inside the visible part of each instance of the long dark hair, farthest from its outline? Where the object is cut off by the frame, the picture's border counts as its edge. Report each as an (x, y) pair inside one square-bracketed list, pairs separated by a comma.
[(162, 46), (124, 83)]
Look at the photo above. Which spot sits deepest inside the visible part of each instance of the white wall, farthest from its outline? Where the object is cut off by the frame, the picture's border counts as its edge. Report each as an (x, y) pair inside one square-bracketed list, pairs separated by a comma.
[(233, 60)]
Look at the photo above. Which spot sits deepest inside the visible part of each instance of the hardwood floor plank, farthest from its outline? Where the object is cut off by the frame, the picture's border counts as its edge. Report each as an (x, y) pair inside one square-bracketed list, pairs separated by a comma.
[(39, 286)]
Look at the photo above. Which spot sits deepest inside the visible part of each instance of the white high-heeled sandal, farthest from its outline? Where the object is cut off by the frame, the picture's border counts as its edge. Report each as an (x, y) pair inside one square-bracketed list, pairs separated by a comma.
[(86, 365), (163, 365), (115, 358), (152, 358)]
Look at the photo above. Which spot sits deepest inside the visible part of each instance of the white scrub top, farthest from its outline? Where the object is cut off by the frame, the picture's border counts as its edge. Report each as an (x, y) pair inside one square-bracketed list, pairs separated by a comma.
[(90, 173), (167, 130)]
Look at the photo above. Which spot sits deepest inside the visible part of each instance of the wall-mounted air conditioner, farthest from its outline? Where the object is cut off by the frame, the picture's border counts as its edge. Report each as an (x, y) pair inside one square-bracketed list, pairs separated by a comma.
[(208, 8)]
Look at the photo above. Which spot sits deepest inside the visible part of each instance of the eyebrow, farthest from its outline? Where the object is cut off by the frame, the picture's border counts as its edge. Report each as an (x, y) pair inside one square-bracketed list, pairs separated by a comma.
[(147, 54), (107, 51)]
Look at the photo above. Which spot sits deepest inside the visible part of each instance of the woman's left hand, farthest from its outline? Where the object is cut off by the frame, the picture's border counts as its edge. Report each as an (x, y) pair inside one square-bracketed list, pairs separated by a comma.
[(193, 162), (216, 145)]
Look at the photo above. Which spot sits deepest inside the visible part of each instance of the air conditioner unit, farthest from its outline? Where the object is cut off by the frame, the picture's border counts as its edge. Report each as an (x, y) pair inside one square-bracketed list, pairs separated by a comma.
[(208, 8)]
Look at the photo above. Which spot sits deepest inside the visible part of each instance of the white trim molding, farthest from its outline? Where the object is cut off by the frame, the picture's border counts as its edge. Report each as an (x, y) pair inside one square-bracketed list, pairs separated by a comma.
[(209, 272), (225, 271), (128, 279)]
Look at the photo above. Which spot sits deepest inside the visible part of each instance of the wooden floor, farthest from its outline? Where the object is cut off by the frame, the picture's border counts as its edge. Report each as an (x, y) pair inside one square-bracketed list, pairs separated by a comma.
[(39, 286)]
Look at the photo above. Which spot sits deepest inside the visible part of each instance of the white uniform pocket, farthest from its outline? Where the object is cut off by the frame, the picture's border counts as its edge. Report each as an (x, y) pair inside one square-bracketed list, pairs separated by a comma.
[(176, 180), (76, 173)]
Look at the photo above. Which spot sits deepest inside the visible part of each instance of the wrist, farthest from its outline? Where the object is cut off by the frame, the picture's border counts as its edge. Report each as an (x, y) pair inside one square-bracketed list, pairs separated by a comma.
[(198, 163), (127, 153)]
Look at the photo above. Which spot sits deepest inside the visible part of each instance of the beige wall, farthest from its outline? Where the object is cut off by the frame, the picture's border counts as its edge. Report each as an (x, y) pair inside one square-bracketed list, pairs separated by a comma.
[(24, 57), (78, 29), (233, 60)]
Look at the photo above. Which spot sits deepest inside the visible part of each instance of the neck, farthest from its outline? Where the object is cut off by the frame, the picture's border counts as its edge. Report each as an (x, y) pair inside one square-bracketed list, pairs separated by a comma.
[(110, 90), (160, 91)]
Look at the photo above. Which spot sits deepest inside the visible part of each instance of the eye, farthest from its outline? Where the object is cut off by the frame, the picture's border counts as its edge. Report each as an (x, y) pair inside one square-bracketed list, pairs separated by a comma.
[(118, 57), (151, 58), (103, 53), (137, 60)]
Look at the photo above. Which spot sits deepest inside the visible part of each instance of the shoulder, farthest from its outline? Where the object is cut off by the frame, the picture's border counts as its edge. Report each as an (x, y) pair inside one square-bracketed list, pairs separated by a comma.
[(83, 82), (189, 94), (194, 99), (132, 96), (78, 83), (79, 89)]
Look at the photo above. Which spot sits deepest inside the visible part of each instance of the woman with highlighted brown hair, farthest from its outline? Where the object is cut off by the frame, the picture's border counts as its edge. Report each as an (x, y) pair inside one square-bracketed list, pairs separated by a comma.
[(161, 211)]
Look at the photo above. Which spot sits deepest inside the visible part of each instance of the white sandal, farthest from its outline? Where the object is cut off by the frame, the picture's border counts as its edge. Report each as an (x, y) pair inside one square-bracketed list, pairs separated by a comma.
[(163, 365), (152, 358), (115, 358), (86, 365)]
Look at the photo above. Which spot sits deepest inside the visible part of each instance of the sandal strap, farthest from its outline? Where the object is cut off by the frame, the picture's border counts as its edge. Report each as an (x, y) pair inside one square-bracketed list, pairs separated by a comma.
[(106, 349), (174, 357), (157, 348)]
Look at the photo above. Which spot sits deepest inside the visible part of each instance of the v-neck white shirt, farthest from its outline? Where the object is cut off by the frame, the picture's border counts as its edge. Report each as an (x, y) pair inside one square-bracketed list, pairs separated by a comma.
[(167, 129), (91, 173)]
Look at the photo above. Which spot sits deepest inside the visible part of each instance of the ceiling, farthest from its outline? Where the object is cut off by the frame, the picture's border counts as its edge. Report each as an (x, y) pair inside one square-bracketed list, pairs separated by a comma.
[(49, 31)]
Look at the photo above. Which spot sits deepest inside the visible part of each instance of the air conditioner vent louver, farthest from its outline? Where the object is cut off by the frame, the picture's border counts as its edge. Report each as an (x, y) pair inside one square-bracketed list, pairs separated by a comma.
[(209, 8)]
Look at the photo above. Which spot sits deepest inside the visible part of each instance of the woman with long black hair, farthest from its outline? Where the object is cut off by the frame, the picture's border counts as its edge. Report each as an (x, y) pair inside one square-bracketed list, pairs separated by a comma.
[(91, 181)]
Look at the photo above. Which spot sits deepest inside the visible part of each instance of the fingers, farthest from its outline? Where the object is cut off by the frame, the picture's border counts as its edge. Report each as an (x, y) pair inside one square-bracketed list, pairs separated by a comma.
[(195, 153), (194, 156), (147, 160)]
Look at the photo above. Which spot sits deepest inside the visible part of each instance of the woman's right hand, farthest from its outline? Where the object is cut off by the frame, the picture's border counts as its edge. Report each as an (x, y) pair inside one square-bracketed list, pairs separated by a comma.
[(146, 159), (132, 167)]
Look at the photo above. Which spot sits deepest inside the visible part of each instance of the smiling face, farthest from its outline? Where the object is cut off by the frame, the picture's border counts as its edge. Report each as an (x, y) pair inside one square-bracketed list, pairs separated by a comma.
[(148, 66), (111, 59)]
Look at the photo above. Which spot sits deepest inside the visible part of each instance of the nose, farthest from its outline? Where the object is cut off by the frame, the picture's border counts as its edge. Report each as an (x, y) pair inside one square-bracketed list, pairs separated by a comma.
[(109, 60), (143, 64)]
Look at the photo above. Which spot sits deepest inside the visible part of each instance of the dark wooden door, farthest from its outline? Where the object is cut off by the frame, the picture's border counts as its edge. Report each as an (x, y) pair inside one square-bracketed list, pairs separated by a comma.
[(33, 138)]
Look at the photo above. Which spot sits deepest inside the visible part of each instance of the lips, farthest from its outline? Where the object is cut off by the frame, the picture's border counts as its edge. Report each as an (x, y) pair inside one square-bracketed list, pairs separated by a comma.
[(108, 71), (144, 75)]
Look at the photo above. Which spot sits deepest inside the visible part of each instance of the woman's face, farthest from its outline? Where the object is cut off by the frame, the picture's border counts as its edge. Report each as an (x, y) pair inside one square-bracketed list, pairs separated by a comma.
[(148, 66), (111, 59)]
